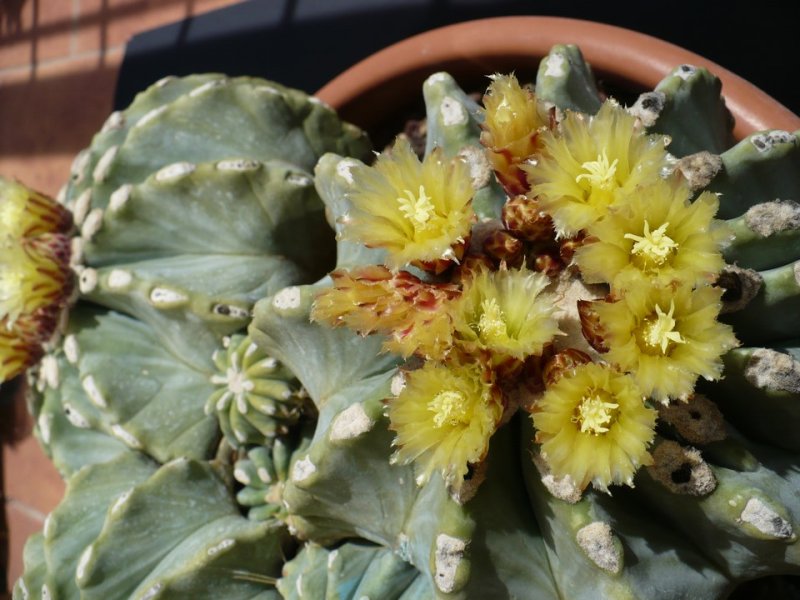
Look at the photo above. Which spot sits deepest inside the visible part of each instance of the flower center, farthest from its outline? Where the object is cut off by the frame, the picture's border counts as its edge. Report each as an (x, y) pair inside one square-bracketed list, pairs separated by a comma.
[(11, 300), (654, 246), (449, 407), (595, 412), (600, 174), (10, 213), (658, 333), (417, 209), (491, 325)]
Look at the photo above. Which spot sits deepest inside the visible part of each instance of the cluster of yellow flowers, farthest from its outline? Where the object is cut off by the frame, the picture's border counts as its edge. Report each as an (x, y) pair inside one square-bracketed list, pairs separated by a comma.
[(493, 334), (35, 277)]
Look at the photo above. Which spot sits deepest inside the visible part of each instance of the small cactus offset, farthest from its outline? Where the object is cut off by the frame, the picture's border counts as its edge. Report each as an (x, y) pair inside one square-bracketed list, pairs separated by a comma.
[(554, 355)]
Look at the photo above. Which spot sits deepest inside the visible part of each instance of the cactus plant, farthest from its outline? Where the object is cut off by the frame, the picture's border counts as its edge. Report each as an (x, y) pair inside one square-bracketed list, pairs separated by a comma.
[(529, 373)]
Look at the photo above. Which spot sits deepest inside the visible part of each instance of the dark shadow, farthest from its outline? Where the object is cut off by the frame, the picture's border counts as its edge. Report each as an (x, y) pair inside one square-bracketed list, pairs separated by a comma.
[(11, 16)]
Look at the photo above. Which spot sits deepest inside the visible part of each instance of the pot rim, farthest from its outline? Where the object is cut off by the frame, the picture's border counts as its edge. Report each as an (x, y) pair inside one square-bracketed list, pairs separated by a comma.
[(628, 55)]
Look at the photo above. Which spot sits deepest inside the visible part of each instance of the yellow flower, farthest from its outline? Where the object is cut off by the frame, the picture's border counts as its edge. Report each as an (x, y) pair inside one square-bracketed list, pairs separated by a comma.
[(594, 426), (416, 211), (16, 355), (666, 338), (373, 299), (444, 417), (656, 236), (590, 162), (505, 313), (26, 213), (514, 119)]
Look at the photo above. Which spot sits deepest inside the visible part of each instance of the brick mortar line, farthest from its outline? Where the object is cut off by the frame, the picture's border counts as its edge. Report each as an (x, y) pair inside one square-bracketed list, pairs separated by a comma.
[(51, 62)]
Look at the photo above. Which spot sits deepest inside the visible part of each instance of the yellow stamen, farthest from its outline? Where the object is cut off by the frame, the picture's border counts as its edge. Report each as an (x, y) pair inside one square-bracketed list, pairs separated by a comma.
[(595, 413), (492, 326), (417, 209), (660, 332), (600, 174), (448, 407), (655, 246)]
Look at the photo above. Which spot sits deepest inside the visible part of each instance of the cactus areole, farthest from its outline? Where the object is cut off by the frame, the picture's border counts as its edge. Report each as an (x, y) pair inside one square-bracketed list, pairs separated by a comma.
[(552, 352)]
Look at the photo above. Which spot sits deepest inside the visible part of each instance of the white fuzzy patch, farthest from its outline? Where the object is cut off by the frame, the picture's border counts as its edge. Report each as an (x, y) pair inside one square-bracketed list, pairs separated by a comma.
[(103, 166), (238, 165), (685, 71), (119, 279), (92, 224), (447, 558), (120, 502), (126, 436), (773, 371), (207, 87), (71, 349), (46, 592), (81, 207), (555, 66), (153, 114), (332, 558), (162, 297), (116, 120), (597, 540), (299, 179), (766, 520), (303, 469), (263, 475), (287, 299), (164, 81), (86, 557), (48, 523), (453, 112), (563, 488), (398, 384), (61, 197), (241, 476), (175, 171), (76, 246), (78, 167), (267, 89), (350, 423), (344, 169), (223, 545), (764, 142), (119, 197), (153, 591), (93, 392), (439, 77), (75, 417), (50, 371)]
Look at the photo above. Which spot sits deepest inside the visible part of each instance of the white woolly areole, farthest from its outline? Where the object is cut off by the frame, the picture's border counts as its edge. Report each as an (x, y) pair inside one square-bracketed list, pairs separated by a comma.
[(44, 422), (397, 384), (153, 114), (76, 246), (439, 77), (480, 171), (350, 423), (61, 196), (75, 417), (48, 524), (50, 371), (769, 218), (164, 81), (119, 279), (166, 297), (207, 87), (241, 476), (81, 207), (287, 298), (153, 591), (239, 165), (103, 166), (46, 592), (303, 469), (120, 502), (87, 280), (119, 197), (299, 179), (71, 349), (126, 436), (685, 71), (344, 169), (95, 395), (79, 164), (80, 572), (773, 371), (766, 520), (764, 142), (92, 224), (447, 557), (332, 558), (453, 112), (116, 120), (563, 488), (223, 545), (175, 171), (23, 589), (264, 475), (554, 66), (597, 540)]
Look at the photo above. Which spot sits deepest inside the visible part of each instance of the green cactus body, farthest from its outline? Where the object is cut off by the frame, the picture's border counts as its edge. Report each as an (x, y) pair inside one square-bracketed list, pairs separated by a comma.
[(220, 442)]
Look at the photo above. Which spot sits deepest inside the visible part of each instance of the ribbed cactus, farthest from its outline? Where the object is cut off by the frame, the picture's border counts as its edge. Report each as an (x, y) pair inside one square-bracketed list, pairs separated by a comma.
[(234, 423)]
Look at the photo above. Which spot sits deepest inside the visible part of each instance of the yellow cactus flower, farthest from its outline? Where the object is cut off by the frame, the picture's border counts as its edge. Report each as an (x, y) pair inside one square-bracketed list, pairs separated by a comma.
[(666, 338), (506, 313), (656, 236), (444, 417), (594, 426), (373, 299), (16, 355), (416, 211), (514, 119), (590, 162), (26, 213)]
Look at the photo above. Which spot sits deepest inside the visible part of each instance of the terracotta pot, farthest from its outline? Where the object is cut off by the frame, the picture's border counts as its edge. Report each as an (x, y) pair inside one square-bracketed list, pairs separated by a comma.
[(388, 82)]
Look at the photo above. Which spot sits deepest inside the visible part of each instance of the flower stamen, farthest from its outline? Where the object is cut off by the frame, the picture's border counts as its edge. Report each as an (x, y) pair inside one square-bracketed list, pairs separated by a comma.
[(659, 333), (654, 246), (449, 407), (600, 174), (417, 209), (594, 413), (491, 325)]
